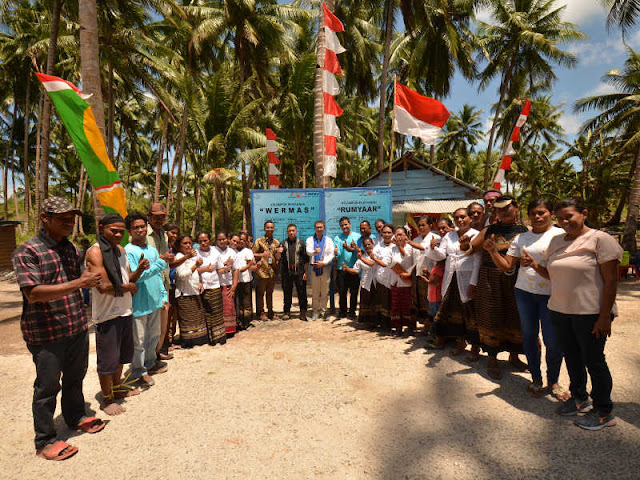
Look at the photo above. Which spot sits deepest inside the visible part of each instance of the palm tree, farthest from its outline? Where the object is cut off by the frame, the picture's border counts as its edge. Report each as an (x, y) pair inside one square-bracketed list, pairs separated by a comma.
[(462, 133), (521, 48), (623, 14), (620, 112)]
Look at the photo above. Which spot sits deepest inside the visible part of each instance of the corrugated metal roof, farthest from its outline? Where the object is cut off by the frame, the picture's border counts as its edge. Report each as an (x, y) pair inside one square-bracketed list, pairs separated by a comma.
[(431, 206)]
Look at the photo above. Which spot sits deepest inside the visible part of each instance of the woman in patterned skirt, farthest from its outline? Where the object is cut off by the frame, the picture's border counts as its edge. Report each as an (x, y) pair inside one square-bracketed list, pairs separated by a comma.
[(384, 276), (212, 294), (193, 330), (401, 266), (495, 309), (365, 266)]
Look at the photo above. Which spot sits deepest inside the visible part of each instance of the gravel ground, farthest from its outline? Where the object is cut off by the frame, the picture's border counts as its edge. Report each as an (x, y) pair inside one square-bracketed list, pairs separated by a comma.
[(325, 399)]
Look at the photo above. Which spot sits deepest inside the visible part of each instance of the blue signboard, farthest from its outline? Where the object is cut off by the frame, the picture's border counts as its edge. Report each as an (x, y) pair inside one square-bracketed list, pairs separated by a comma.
[(284, 206), (304, 206), (358, 204)]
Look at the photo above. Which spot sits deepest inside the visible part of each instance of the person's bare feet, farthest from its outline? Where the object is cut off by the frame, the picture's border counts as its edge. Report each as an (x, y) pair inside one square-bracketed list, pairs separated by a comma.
[(514, 360), (110, 407), (493, 368), (128, 393), (474, 354)]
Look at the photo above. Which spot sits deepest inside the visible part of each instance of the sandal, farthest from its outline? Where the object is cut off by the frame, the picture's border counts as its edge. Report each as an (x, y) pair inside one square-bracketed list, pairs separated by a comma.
[(536, 389), (57, 451), (434, 344), (91, 425)]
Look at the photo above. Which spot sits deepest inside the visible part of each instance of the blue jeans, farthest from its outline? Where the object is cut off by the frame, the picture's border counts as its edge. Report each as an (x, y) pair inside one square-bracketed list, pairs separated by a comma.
[(146, 333), (533, 313)]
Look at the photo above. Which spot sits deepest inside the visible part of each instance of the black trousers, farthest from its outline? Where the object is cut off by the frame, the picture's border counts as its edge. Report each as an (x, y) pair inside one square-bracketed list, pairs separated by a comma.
[(582, 352), (348, 283), (69, 357), (288, 281)]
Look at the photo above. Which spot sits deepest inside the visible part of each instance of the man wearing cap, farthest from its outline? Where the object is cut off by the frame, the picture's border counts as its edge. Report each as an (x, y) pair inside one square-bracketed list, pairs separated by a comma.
[(111, 310), (54, 326), (157, 238), (489, 197)]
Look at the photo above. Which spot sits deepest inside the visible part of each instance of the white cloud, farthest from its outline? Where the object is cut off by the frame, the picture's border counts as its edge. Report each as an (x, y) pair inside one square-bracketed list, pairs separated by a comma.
[(597, 53), (576, 11), (571, 123), (581, 10), (602, 89)]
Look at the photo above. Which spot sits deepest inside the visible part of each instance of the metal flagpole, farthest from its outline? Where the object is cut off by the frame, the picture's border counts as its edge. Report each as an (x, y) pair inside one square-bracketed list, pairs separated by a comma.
[(393, 133)]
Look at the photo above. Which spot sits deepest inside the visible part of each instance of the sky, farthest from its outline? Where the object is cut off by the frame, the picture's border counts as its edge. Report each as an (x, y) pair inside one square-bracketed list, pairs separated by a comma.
[(597, 54)]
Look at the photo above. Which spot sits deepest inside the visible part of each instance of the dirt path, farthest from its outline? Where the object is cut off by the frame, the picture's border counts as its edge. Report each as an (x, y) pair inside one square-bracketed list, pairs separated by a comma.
[(328, 400)]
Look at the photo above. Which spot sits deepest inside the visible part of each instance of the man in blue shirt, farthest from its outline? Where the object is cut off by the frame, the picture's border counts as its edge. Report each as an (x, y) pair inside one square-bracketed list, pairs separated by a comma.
[(347, 254), (147, 304)]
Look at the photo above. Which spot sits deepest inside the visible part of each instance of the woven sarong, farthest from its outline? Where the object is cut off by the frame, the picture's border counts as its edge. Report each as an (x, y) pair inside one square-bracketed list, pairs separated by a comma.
[(401, 307), (244, 305), (212, 301), (193, 330), (228, 310)]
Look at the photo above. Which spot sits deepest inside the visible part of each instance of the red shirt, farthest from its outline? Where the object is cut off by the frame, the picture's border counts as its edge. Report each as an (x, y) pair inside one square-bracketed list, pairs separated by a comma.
[(435, 291)]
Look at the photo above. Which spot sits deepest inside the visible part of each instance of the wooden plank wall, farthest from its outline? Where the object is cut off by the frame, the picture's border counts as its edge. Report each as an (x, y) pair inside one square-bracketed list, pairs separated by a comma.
[(7, 246), (419, 185)]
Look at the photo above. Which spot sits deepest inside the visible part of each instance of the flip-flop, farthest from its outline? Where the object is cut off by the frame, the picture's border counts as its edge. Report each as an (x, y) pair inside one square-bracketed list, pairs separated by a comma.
[(91, 425), (59, 450), (432, 345)]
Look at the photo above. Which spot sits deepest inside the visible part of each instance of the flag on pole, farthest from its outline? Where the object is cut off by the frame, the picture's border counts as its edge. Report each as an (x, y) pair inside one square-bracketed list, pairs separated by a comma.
[(509, 152), (417, 115), (77, 116), (331, 68), (274, 172)]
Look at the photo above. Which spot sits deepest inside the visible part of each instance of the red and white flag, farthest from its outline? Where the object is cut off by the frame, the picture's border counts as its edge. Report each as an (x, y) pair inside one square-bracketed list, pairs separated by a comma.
[(274, 173), (417, 115), (509, 152), (331, 68)]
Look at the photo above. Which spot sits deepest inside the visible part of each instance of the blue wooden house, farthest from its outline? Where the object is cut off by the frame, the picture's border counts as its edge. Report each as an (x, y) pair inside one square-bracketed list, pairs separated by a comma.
[(422, 189)]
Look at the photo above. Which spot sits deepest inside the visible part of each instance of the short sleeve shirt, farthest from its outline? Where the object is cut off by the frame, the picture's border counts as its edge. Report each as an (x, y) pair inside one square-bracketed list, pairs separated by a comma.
[(42, 261), (344, 255), (576, 283), (536, 245), (266, 269), (160, 242)]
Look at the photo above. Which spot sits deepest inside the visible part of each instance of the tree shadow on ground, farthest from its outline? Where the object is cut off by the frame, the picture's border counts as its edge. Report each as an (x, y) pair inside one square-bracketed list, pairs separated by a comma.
[(457, 431)]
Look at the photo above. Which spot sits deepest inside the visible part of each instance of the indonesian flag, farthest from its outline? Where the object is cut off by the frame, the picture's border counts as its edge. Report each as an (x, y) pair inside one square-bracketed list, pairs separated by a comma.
[(77, 116), (509, 152), (418, 116), (274, 181), (331, 68)]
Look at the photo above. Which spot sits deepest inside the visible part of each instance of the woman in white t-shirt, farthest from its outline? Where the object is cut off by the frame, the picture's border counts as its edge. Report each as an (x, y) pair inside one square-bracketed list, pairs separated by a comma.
[(245, 264), (582, 266), (532, 293), (383, 276), (365, 266), (191, 319), (401, 268), (424, 263)]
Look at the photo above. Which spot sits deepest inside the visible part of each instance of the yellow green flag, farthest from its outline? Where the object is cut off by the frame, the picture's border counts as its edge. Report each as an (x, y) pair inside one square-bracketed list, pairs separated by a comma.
[(77, 116)]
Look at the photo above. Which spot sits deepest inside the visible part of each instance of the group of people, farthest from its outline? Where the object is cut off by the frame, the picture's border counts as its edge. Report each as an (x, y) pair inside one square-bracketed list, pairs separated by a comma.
[(483, 280)]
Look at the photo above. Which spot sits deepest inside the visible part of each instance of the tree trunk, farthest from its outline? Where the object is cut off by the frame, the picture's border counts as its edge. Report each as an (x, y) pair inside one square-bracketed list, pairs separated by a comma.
[(111, 121), (615, 219), (36, 214), (163, 145), (16, 207), (178, 159), (213, 208), (246, 209), (198, 201), (318, 104), (46, 114), (77, 226), (631, 225), (25, 158), (7, 160), (90, 69), (503, 92), (383, 82)]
